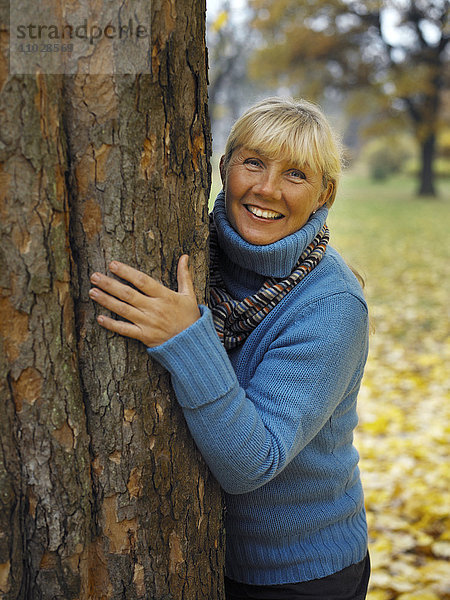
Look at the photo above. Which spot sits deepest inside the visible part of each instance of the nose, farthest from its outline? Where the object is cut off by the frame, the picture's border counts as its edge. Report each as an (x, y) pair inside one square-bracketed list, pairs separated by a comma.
[(268, 185)]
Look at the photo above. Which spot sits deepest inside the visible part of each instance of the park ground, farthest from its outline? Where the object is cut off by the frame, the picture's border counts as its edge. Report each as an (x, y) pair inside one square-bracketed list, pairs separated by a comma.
[(399, 243)]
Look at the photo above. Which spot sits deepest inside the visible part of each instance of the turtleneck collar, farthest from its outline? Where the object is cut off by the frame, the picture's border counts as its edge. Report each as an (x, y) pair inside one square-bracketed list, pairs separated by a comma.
[(273, 260)]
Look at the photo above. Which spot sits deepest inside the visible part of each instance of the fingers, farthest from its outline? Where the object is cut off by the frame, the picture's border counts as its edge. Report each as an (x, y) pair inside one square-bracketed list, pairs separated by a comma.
[(145, 283), (126, 329), (120, 308), (185, 284), (114, 288), (155, 313)]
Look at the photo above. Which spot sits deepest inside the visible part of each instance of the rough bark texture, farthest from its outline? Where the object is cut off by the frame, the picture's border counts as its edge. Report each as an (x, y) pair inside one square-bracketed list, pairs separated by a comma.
[(102, 492)]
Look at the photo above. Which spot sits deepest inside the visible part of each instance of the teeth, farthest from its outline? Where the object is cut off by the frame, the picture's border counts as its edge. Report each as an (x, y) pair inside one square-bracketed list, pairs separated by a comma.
[(265, 214)]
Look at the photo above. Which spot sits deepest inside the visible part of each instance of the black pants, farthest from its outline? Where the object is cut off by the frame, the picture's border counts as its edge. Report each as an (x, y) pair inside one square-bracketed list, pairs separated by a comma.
[(349, 584)]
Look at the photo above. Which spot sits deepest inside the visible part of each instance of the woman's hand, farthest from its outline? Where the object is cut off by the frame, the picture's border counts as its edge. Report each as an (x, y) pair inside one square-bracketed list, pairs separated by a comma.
[(156, 313)]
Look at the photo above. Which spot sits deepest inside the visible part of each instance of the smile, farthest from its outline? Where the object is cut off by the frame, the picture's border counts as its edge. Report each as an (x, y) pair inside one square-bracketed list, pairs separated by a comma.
[(263, 214)]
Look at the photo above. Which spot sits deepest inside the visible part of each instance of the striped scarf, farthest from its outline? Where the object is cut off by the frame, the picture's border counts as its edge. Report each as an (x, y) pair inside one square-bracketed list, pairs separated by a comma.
[(234, 320)]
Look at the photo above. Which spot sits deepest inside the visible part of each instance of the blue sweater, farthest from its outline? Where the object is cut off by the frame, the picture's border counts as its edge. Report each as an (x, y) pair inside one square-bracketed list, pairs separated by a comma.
[(274, 418)]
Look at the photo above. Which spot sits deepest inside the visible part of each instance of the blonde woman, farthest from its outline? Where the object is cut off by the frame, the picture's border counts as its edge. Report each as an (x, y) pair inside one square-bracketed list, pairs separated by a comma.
[(273, 407)]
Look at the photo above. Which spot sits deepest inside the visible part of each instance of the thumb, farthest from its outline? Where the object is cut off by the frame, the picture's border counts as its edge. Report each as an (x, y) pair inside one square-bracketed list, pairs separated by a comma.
[(185, 285)]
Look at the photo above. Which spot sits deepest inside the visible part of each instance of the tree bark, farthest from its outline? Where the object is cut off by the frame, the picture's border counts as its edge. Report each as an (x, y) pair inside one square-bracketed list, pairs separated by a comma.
[(103, 493)]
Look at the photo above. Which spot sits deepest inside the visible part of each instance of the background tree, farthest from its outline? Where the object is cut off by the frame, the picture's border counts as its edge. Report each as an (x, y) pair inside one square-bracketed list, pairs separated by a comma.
[(388, 57), (103, 494), (231, 41)]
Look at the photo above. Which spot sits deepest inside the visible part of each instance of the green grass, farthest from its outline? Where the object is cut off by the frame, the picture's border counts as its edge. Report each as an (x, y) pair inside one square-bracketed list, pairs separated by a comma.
[(399, 243), (386, 229)]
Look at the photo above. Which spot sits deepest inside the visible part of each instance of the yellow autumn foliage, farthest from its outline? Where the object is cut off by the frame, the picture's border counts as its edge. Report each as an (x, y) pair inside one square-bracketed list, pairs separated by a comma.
[(220, 21), (404, 433)]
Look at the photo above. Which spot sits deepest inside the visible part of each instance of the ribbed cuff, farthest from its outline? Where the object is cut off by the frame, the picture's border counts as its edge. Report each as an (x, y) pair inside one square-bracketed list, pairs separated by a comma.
[(200, 368)]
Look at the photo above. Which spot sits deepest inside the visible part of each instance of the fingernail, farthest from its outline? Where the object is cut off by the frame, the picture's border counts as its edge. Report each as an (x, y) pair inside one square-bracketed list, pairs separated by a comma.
[(92, 293), (113, 265), (100, 319)]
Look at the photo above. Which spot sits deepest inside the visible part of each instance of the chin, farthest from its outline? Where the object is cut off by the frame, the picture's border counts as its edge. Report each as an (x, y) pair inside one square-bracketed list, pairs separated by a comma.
[(261, 235), (260, 238)]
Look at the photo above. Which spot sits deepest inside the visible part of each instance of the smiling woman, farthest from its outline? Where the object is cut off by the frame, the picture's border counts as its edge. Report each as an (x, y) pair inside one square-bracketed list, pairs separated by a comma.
[(280, 165), (268, 375), (268, 199)]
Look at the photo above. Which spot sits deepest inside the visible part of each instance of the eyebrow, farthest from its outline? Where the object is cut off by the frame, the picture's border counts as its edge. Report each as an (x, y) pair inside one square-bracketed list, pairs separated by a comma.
[(306, 167), (293, 164)]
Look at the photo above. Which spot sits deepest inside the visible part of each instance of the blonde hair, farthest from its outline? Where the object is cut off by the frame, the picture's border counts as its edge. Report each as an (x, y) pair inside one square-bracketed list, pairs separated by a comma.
[(293, 130)]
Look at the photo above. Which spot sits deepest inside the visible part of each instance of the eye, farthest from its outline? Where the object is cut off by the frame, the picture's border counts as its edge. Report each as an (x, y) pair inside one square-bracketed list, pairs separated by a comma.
[(296, 174), (252, 162)]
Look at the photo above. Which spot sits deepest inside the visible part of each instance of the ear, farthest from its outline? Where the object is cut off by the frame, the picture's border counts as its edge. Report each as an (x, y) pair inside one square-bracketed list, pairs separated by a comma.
[(222, 169), (326, 194)]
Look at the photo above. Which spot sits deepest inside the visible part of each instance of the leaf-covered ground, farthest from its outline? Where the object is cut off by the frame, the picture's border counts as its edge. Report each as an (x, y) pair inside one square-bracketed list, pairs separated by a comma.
[(400, 245)]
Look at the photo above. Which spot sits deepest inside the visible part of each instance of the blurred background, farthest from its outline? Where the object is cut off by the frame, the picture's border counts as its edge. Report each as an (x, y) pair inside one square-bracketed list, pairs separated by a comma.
[(380, 71)]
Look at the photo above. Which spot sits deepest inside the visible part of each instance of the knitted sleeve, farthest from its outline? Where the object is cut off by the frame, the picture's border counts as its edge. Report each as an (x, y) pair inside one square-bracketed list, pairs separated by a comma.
[(248, 436)]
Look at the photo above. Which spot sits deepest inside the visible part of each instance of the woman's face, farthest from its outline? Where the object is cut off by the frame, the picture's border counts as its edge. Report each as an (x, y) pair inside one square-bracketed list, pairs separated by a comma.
[(267, 199)]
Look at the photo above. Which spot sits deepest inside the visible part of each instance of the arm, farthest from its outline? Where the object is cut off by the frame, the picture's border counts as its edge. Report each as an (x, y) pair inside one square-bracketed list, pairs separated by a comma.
[(246, 436), (249, 436)]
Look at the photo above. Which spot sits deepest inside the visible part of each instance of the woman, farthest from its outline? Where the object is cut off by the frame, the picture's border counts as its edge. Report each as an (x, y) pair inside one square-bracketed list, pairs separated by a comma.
[(273, 407)]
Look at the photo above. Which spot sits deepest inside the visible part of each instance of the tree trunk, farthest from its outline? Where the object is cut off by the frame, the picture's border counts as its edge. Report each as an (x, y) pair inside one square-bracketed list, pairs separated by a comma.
[(103, 494), (427, 177)]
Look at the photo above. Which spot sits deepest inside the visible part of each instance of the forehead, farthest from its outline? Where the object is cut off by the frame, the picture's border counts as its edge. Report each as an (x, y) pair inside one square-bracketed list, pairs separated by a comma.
[(294, 146)]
